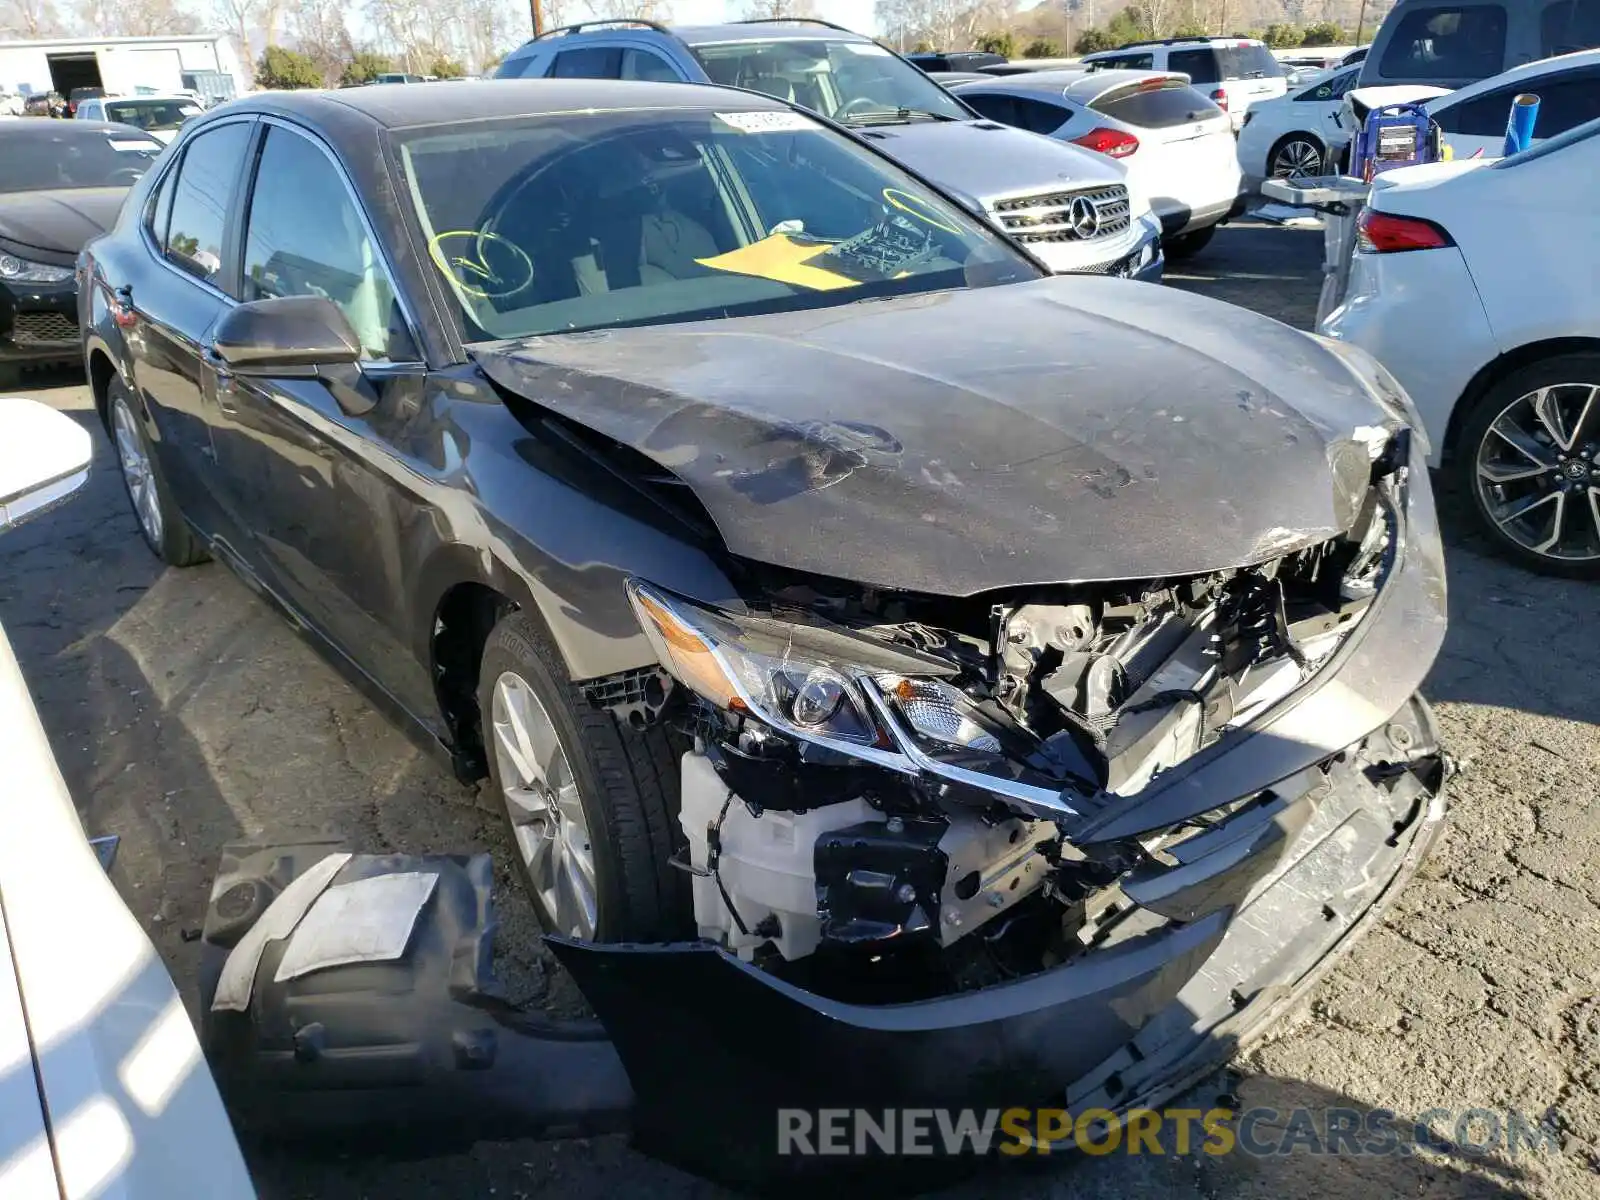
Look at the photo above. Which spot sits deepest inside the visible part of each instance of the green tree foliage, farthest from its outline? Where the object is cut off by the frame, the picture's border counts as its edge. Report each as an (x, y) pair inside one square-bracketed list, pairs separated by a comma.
[(446, 68), (1191, 29), (1282, 37), (1043, 48), (281, 69), (364, 67), (1001, 41), (1324, 33)]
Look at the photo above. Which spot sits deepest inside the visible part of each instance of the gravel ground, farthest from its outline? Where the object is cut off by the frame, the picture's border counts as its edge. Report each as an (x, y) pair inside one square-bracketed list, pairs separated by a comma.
[(184, 714)]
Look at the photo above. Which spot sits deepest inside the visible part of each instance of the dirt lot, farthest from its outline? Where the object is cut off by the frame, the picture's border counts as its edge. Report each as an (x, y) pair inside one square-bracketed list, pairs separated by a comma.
[(185, 714)]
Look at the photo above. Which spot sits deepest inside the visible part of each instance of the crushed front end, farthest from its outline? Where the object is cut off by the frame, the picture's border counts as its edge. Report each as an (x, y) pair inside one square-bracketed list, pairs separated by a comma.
[(1062, 847)]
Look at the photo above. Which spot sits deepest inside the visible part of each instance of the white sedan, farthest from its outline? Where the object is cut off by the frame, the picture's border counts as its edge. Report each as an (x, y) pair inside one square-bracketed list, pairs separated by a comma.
[(1177, 145), (1290, 137), (1473, 282)]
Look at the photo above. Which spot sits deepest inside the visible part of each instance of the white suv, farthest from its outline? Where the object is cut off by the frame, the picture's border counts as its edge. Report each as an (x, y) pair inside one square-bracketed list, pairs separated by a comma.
[(1234, 72)]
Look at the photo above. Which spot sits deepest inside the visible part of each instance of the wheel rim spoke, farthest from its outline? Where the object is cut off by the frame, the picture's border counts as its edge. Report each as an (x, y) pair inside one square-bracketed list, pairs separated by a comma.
[(545, 806), (1536, 471), (137, 472)]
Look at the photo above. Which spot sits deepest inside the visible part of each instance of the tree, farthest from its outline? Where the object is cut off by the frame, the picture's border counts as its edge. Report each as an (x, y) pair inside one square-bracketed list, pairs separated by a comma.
[(777, 10), (30, 18), (282, 69), (1092, 41), (317, 29), (238, 17), (1282, 37), (365, 66), (1002, 42), (1323, 33), (446, 68), (150, 18), (943, 24), (1042, 48)]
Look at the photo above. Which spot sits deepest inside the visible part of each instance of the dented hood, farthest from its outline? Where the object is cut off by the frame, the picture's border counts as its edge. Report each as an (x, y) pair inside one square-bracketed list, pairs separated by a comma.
[(1068, 429)]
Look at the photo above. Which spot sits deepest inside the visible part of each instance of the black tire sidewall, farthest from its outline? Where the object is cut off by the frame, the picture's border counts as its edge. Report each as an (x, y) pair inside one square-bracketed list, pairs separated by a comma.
[(1187, 245), (1288, 138), (1564, 368), (518, 646)]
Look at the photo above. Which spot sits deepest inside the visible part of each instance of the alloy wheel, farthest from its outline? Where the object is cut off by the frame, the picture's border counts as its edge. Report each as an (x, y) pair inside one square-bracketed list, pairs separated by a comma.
[(1297, 159), (547, 817), (137, 471), (1538, 477)]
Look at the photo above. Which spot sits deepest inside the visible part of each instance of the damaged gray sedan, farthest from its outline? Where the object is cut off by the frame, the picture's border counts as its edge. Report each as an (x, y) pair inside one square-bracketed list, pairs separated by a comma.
[(911, 682)]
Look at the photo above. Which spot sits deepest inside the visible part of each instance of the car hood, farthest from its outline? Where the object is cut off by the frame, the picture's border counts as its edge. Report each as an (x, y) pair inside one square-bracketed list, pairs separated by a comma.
[(985, 160), (1061, 430), (59, 222)]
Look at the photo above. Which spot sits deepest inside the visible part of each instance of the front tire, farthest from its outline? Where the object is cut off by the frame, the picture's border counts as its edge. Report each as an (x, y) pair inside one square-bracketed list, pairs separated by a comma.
[(1187, 245), (1529, 456), (590, 806), (165, 531)]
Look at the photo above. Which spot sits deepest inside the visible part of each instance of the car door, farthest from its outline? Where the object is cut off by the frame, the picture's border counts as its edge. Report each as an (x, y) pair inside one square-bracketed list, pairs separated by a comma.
[(312, 461), (170, 307)]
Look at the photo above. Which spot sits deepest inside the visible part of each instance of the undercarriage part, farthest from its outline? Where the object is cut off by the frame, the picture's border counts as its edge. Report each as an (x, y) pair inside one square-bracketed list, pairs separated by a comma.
[(635, 697)]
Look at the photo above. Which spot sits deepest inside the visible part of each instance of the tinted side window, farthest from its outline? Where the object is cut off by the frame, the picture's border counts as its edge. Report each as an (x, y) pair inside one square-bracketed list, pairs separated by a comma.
[(1040, 116), (1331, 89), (1161, 108), (1563, 103), (519, 68), (1454, 42), (306, 238), (588, 62), (203, 198), (994, 106), (1199, 65), (642, 64), (1568, 25), (159, 211)]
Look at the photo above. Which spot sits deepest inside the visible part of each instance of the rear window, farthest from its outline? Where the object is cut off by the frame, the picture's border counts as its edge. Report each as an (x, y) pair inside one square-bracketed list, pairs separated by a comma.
[(1160, 107), (1218, 64), (1454, 42), (1568, 25)]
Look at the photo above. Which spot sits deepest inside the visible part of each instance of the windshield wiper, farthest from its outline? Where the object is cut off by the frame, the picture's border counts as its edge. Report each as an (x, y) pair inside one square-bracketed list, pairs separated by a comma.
[(895, 116)]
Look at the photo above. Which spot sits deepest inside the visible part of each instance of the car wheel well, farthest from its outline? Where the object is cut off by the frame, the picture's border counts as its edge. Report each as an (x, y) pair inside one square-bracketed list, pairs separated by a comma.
[(467, 613), (101, 373), (1497, 369)]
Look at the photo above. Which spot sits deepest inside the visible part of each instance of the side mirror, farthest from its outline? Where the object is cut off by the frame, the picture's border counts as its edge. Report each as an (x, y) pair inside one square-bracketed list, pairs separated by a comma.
[(44, 458), (288, 335)]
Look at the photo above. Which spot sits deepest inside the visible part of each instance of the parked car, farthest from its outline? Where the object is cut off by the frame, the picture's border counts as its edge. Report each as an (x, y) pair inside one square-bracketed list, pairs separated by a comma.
[(79, 94), (1299, 134), (1452, 43), (103, 1091), (44, 104), (1233, 72), (1024, 66), (1496, 252), (1177, 145), (400, 77), (61, 185), (159, 116), (955, 60), (555, 406), (1024, 185)]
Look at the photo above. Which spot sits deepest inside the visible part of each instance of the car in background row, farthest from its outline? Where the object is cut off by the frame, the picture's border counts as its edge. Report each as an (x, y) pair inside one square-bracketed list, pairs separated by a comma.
[(1025, 185), (1473, 119), (159, 116), (1500, 253), (955, 60), (61, 183), (1177, 145), (1296, 135), (1233, 73), (1453, 43)]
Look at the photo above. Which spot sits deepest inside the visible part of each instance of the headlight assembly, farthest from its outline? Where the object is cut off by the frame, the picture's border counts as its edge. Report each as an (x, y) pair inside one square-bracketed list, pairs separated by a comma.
[(20, 270)]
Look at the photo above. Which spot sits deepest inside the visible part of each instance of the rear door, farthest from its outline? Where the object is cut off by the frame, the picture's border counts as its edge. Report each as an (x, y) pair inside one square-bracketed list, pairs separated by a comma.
[(172, 305), (1188, 159)]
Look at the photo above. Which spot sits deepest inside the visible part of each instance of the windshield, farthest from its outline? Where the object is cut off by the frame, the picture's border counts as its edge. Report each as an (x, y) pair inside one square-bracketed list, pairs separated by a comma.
[(560, 224), (151, 114), (39, 160), (843, 80)]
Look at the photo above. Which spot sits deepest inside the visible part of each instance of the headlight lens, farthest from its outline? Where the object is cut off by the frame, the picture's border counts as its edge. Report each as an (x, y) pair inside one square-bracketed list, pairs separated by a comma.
[(20, 270), (753, 667)]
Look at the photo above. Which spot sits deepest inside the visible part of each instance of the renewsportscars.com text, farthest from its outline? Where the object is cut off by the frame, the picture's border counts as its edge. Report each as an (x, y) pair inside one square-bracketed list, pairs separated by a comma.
[(1258, 1132)]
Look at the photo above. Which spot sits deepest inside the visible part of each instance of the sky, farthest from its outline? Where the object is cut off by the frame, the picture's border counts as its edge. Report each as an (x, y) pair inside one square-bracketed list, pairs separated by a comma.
[(852, 14)]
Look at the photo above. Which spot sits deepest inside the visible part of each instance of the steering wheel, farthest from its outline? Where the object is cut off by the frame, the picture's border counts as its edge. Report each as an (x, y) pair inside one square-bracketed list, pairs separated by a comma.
[(859, 104)]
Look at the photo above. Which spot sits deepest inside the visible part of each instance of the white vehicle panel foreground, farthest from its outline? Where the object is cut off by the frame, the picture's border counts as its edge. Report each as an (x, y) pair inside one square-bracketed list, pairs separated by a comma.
[(103, 1090)]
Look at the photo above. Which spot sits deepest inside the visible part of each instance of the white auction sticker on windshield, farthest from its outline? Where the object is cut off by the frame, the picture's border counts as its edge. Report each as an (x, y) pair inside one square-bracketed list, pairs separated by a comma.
[(767, 122), (130, 145)]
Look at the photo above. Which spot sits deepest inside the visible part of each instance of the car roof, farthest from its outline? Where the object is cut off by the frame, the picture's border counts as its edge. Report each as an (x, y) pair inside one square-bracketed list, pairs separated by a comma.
[(452, 101), (705, 35)]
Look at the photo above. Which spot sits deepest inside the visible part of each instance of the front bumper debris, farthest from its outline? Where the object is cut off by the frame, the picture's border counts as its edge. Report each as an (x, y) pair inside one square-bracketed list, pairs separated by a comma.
[(699, 1052)]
